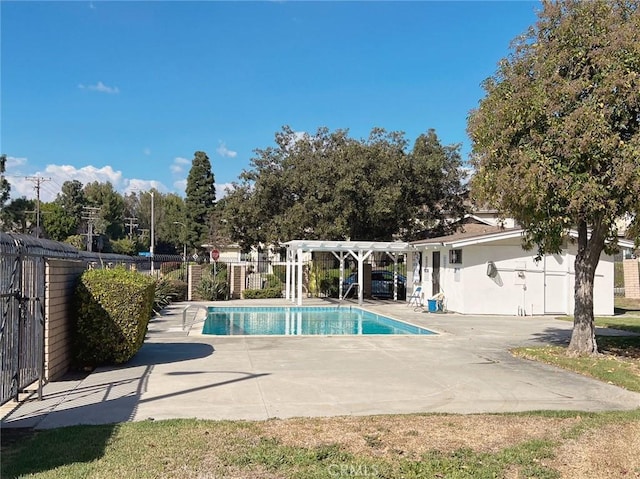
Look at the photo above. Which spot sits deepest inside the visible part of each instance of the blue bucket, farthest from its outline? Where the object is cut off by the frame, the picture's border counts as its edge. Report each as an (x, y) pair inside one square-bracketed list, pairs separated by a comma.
[(433, 305)]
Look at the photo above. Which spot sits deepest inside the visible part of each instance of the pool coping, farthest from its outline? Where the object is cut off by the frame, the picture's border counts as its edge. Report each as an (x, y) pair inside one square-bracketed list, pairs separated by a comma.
[(430, 332)]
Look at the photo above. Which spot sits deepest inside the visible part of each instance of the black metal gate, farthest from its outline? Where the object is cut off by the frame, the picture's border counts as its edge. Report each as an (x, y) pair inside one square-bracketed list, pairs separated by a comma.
[(22, 288)]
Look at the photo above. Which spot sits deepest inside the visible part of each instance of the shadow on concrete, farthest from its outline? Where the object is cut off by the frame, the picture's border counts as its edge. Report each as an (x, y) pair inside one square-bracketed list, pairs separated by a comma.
[(554, 336), (164, 353)]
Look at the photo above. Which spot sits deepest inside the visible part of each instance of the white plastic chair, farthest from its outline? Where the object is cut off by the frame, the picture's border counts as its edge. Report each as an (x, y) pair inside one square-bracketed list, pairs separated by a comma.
[(416, 297)]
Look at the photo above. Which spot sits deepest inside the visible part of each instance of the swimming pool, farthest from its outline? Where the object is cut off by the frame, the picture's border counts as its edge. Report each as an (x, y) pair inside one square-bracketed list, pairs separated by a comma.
[(296, 321)]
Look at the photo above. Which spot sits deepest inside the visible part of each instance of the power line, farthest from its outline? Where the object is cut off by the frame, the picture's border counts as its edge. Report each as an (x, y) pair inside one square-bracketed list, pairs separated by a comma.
[(38, 180), (90, 213), (131, 225)]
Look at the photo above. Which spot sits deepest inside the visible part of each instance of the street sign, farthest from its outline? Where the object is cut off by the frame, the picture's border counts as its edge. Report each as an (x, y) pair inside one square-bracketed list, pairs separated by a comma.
[(215, 255)]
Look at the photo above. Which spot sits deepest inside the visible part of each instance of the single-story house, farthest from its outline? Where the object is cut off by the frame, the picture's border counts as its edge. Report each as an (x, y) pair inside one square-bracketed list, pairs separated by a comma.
[(484, 270)]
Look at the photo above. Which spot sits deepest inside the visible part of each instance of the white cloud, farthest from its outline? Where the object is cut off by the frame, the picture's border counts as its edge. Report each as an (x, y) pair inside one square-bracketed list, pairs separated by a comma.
[(100, 87), (221, 190), (147, 151), (225, 152), (143, 185), (56, 175), (180, 185), (177, 167), (13, 162), (86, 174)]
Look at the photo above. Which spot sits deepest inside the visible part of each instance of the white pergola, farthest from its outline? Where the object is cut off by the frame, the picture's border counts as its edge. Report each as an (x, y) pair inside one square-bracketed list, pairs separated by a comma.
[(359, 250)]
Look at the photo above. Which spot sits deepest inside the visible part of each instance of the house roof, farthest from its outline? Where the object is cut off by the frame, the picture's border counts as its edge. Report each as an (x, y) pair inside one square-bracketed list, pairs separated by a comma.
[(474, 233)]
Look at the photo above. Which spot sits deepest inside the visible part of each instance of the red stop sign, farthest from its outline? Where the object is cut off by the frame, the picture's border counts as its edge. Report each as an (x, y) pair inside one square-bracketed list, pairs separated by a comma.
[(215, 254)]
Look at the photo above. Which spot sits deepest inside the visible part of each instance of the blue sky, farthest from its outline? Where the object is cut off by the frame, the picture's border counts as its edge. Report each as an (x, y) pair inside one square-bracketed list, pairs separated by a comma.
[(127, 91)]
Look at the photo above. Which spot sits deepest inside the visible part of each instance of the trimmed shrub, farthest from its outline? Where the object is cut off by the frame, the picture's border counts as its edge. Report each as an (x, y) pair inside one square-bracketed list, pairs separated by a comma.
[(113, 308), (262, 293)]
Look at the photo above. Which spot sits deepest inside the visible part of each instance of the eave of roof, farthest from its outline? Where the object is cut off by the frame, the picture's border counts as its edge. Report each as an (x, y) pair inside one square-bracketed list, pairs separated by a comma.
[(459, 240), (467, 238), (325, 245)]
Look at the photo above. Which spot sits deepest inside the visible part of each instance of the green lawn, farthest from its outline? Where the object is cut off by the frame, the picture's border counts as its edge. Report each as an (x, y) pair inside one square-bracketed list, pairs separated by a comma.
[(534, 445), (619, 359)]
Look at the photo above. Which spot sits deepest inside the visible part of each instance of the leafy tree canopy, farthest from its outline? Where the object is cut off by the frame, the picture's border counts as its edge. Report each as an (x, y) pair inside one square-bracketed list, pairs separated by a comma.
[(331, 186), (19, 216), (556, 140)]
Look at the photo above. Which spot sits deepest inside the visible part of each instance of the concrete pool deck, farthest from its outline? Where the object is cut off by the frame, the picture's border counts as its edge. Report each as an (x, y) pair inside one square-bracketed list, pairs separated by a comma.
[(467, 368)]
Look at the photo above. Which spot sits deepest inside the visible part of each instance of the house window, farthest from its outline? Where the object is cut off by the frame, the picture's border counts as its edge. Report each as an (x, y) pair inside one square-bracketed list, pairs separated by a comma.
[(455, 256)]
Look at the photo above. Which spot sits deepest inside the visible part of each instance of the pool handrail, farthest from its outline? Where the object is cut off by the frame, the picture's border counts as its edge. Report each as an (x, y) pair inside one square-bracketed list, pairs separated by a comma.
[(348, 290), (197, 307)]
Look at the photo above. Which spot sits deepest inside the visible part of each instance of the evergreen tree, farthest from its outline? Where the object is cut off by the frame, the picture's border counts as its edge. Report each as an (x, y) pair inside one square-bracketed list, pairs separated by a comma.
[(200, 200)]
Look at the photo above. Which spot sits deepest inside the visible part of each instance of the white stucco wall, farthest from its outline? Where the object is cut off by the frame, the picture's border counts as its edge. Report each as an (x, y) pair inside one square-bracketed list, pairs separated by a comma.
[(519, 285)]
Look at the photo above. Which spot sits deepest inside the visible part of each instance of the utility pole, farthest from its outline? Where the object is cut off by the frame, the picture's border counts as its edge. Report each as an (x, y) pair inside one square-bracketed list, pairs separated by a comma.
[(38, 180), (153, 236), (131, 225), (90, 213)]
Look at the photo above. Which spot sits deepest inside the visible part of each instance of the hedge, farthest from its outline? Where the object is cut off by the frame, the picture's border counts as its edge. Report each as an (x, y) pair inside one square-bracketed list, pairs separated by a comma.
[(112, 310)]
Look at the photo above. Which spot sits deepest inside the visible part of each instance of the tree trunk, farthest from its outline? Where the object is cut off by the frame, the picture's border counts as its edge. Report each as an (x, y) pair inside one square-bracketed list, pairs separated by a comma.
[(583, 337)]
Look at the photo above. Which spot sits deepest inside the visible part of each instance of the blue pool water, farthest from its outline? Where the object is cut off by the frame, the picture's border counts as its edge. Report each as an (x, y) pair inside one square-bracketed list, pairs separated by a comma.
[(227, 321)]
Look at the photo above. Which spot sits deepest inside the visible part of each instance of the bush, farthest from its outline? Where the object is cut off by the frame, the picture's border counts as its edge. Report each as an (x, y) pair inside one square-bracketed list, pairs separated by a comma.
[(180, 289), (262, 293), (280, 271), (167, 291), (112, 310), (272, 281), (213, 288)]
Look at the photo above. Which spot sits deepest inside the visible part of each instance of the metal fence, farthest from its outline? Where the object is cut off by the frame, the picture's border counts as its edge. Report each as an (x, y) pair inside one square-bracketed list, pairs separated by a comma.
[(22, 305), (22, 296)]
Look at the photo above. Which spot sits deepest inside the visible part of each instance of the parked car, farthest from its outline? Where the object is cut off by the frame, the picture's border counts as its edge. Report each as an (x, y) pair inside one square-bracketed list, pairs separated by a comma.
[(381, 284)]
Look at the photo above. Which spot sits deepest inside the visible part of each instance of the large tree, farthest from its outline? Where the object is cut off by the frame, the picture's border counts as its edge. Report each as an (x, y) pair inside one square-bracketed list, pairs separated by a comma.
[(111, 208), (57, 223), (330, 186), (556, 140), (70, 200), (18, 216), (200, 200)]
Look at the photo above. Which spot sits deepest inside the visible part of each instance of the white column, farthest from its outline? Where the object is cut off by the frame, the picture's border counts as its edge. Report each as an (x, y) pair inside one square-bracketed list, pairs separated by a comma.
[(300, 277), (361, 258), (341, 259), (287, 281)]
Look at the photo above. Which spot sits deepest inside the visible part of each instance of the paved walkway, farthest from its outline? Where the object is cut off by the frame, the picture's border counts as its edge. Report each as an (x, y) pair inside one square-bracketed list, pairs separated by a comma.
[(465, 369)]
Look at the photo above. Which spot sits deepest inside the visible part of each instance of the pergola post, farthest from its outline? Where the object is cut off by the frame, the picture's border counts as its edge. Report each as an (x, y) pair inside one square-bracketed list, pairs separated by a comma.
[(360, 257), (340, 284), (288, 277), (300, 277)]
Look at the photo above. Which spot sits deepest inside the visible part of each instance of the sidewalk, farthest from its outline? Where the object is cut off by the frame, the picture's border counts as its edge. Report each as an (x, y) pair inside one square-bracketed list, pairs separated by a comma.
[(465, 369)]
